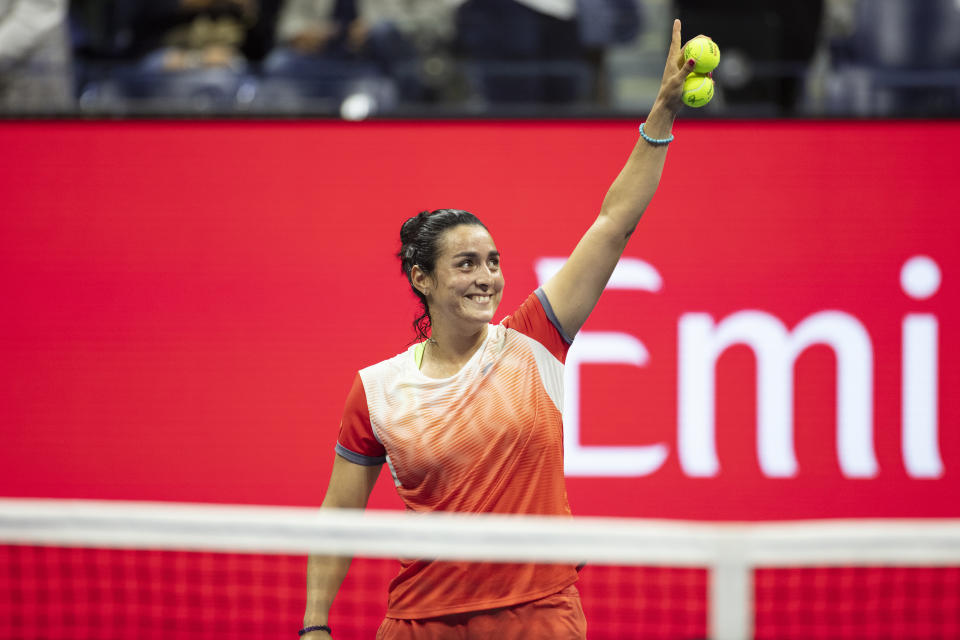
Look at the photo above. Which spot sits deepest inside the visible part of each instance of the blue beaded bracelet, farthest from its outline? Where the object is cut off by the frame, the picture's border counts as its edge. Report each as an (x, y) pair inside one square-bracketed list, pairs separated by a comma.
[(319, 627), (657, 142)]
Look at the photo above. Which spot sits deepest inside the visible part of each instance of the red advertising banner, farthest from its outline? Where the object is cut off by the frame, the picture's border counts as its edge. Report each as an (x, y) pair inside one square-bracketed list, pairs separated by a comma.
[(185, 305)]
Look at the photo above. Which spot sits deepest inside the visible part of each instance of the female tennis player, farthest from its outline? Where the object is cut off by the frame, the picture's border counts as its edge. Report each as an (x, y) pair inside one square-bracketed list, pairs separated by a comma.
[(469, 419)]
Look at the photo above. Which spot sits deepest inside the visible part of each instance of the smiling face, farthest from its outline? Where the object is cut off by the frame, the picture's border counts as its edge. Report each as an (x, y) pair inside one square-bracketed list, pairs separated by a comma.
[(465, 288)]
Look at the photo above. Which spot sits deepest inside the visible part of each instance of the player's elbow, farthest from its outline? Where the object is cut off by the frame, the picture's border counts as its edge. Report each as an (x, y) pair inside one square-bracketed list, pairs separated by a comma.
[(613, 230)]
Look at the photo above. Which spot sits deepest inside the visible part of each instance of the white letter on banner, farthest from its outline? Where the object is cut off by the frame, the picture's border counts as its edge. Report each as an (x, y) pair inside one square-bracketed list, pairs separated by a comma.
[(920, 438), (776, 351), (610, 348), (920, 279)]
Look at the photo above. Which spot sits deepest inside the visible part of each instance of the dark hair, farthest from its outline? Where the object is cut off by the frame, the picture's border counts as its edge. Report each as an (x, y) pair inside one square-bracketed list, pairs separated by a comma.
[(418, 246)]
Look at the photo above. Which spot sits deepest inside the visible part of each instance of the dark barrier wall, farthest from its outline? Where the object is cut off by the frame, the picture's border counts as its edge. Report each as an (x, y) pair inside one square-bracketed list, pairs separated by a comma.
[(185, 305)]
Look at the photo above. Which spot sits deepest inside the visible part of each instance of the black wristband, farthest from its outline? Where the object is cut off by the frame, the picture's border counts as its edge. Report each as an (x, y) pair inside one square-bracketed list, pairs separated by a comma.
[(319, 627)]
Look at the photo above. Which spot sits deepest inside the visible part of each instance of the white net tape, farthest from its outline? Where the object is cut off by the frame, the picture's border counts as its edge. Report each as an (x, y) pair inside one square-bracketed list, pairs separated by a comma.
[(729, 550)]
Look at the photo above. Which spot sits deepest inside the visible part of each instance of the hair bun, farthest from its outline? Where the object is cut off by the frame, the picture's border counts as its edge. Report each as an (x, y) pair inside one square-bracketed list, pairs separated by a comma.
[(410, 229)]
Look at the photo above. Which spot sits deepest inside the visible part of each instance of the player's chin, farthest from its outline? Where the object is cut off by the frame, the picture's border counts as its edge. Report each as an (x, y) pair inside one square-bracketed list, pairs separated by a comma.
[(483, 315), (481, 312)]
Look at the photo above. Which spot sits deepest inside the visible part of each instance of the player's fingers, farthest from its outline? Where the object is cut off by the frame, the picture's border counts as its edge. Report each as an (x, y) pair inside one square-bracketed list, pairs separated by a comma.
[(675, 41), (673, 82)]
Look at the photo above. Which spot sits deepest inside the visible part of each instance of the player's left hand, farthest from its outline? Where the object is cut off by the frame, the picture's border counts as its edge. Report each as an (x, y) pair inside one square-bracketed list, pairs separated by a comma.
[(674, 73)]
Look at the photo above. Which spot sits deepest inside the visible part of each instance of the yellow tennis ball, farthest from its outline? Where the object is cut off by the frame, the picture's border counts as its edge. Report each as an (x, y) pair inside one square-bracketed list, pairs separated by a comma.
[(697, 90), (704, 51)]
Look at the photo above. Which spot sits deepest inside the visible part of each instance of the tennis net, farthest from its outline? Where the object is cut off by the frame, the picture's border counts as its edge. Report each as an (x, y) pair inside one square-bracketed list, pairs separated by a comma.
[(103, 570)]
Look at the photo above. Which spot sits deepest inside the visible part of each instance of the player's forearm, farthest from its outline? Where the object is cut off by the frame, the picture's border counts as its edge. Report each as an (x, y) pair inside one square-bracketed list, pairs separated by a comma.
[(349, 488), (634, 187), (325, 574)]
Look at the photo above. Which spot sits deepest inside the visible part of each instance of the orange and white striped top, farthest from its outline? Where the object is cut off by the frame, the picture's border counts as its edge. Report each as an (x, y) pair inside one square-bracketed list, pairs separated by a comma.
[(486, 440)]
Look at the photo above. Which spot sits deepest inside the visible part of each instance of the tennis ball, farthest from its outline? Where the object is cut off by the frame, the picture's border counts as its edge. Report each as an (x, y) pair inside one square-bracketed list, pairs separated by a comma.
[(697, 90), (704, 51)]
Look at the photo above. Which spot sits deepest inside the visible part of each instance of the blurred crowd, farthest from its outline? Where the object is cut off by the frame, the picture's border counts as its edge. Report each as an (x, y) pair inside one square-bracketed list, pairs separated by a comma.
[(361, 57)]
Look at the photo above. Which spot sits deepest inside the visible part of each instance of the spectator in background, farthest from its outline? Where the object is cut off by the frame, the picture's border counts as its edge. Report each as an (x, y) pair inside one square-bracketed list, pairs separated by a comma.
[(541, 50), (35, 62), (334, 38), (604, 23), (523, 50), (179, 35), (194, 55), (890, 57)]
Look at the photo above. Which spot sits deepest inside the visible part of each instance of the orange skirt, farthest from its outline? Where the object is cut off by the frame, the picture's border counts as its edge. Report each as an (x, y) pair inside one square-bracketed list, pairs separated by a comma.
[(555, 617)]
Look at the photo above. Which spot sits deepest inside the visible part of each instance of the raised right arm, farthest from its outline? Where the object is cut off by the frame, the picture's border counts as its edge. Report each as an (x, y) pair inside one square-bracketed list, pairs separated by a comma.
[(349, 488)]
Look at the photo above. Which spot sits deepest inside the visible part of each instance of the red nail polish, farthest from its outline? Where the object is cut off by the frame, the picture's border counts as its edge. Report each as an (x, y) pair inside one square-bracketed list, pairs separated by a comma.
[(691, 62)]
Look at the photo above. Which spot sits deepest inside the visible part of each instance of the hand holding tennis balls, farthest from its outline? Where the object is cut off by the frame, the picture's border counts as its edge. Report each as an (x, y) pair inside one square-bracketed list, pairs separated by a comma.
[(698, 87), (681, 84)]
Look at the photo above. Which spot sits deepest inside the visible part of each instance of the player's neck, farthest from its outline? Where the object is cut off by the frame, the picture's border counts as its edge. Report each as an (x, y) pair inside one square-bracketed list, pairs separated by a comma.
[(446, 352)]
